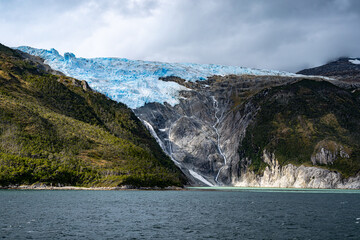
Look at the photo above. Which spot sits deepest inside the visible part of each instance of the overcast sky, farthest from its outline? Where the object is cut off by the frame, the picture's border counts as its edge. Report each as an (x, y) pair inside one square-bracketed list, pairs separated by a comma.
[(277, 34)]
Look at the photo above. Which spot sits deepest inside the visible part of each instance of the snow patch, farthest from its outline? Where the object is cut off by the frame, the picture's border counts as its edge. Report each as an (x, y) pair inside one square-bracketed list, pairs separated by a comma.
[(355, 61)]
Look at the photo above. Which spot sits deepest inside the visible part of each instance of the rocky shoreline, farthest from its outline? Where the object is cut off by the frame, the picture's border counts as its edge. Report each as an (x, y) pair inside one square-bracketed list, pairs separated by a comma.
[(291, 176), (125, 187)]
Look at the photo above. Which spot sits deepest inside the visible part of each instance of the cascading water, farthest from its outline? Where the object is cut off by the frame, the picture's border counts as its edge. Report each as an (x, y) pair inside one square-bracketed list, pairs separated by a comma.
[(216, 108), (170, 153), (158, 140)]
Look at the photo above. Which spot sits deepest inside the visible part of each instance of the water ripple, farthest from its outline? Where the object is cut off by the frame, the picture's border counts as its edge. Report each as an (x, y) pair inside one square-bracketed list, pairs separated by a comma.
[(26, 214)]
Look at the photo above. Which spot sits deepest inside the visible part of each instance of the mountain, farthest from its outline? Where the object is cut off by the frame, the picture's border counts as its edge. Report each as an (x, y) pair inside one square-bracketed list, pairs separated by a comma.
[(55, 129), (236, 126), (262, 131), (344, 69)]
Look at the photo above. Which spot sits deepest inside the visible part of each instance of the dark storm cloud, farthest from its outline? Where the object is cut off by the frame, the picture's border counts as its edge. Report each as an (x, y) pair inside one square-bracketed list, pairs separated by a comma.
[(285, 35)]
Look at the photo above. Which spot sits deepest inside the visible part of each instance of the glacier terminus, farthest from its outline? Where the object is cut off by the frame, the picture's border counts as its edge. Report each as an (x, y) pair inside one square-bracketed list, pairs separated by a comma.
[(136, 82)]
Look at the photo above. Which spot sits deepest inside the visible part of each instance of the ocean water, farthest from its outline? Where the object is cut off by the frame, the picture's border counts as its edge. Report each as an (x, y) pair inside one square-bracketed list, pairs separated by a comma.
[(224, 213)]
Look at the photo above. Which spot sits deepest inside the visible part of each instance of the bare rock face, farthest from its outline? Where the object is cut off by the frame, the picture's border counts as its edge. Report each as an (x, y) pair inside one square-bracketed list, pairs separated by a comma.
[(327, 152), (188, 135), (290, 176), (323, 156), (85, 86), (202, 135)]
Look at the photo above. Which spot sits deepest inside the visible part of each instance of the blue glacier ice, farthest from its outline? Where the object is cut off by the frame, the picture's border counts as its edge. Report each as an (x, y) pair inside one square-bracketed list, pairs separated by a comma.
[(136, 82)]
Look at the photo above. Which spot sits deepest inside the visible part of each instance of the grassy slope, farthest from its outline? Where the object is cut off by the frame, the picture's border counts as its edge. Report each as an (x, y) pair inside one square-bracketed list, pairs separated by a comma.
[(53, 131), (295, 119)]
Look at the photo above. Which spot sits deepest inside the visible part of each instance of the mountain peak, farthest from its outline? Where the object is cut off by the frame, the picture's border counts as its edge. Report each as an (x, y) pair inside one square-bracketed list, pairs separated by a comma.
[(347, 69)]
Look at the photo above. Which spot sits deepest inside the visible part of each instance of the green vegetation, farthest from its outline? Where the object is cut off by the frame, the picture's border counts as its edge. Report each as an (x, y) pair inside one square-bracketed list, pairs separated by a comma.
[(295, 120), (54, 130)]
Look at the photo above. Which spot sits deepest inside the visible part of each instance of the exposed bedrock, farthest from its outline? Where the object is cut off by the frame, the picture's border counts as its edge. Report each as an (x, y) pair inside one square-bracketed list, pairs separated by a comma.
[(187, 134), (290, 176), (203, 133)]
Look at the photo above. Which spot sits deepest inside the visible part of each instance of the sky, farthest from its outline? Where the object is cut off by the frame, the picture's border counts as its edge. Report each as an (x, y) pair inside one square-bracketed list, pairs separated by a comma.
[(278, 34)]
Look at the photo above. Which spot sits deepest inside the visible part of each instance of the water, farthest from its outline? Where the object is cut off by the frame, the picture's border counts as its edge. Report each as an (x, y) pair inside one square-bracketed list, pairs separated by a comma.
[(236, 214)]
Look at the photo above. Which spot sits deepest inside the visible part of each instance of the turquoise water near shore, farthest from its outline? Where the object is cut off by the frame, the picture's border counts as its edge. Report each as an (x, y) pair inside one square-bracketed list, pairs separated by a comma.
[(280, 190), (217, 213)]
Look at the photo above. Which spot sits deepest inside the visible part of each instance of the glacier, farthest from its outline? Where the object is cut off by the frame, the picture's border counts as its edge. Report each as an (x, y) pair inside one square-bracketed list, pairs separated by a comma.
[(136, 82)]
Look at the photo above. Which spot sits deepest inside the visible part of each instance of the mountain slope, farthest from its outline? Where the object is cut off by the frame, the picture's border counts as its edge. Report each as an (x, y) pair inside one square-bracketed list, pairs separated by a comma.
[(344, 69), (55, 129), (203, 131), (262, 131), (305, 123)]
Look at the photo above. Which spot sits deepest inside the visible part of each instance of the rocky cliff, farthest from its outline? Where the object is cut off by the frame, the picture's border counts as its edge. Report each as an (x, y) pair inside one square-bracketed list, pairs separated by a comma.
[(260, 131), (291, 176)]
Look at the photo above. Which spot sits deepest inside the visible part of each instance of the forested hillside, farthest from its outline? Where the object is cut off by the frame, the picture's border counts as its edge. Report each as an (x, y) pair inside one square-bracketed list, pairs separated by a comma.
[(55, 129)]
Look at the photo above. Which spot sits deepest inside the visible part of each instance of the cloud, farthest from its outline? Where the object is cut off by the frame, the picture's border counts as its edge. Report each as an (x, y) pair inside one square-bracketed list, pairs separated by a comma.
[(278, 34)]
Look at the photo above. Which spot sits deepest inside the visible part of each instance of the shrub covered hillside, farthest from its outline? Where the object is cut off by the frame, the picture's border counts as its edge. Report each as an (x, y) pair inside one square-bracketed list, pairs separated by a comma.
[(55, 129), (306, 123)]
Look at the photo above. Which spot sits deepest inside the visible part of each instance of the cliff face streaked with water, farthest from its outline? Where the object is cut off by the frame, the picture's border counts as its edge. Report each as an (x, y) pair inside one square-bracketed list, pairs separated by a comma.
[(264, 129), (222, 129)]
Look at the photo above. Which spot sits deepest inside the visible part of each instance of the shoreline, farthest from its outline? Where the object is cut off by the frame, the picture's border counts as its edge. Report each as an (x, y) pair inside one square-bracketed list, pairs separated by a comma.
[(126, 187), (169, 188), (270, 188)]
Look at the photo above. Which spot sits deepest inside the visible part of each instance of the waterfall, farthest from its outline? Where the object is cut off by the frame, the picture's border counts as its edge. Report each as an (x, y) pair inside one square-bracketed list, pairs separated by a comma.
[(170, 153), (216, 107)]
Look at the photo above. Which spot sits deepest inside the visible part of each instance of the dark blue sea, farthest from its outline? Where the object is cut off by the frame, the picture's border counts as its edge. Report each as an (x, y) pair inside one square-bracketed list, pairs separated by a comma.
[(195, 214)]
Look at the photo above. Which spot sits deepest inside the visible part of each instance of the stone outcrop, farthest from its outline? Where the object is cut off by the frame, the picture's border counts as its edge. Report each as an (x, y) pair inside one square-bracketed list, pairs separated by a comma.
[(328, 152), (290, 176)]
